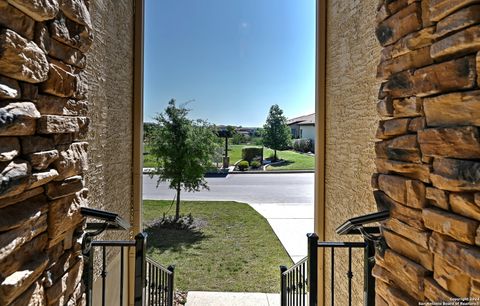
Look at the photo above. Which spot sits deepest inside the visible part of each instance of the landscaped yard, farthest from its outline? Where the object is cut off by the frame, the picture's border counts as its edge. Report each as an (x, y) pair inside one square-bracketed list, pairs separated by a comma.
[(232, 249), (235, 153), (293, 161)]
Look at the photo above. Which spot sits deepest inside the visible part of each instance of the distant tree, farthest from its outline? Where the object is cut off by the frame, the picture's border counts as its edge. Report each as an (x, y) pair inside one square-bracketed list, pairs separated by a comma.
[(239, 138), (184, 149), (231, 130), (148, 131), (276, 134), (258, 132)]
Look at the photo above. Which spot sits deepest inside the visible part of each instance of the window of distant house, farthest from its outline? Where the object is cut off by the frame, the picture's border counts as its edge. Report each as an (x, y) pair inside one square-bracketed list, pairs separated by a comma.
[(301, 133)]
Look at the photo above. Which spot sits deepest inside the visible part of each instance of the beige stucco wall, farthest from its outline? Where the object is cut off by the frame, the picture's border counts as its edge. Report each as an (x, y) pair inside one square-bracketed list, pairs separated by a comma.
[(110, 81), (113, 284), (351, 91), (308, 131)]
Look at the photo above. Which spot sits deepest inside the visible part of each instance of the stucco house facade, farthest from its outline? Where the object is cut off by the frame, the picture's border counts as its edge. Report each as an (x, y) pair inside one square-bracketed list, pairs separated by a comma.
[(303, 127)]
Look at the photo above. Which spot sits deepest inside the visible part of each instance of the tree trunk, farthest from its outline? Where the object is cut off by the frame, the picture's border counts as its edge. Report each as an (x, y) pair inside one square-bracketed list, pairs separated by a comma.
[(274, 155), (177, 208)]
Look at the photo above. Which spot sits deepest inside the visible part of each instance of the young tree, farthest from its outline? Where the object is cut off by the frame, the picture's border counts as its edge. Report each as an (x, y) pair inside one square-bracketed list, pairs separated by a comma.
[(184, 149), (276, 134)]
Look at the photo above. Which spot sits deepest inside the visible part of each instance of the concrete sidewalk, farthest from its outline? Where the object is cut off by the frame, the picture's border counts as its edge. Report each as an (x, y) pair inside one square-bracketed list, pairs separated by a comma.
[(203, 298), (291, 222)]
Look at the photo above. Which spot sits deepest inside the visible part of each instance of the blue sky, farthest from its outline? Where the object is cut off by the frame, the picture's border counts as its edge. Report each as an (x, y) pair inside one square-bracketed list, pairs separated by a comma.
[(235, 58)]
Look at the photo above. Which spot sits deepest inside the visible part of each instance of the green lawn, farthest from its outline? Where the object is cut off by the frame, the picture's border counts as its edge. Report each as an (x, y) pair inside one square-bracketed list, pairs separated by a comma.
[(149, 161), (234, 248), (235, 153), (294, 161)]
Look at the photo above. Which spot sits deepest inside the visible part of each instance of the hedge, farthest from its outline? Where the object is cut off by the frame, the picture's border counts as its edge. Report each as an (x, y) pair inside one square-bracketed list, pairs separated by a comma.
[(303, 145), (252, 153)]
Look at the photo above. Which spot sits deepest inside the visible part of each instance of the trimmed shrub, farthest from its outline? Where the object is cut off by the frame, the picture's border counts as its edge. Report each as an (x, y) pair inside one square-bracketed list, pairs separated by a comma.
[(251, 153), (303, 145), (255, 164), (243, 165)]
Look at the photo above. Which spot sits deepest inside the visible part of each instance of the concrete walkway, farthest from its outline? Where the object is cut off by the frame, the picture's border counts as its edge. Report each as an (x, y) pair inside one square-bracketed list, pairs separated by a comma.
[(202, 298), (291, 222)]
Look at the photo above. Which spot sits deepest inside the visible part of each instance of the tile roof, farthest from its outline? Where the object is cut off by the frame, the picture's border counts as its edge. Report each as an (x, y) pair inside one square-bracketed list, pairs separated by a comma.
[(302, 120)]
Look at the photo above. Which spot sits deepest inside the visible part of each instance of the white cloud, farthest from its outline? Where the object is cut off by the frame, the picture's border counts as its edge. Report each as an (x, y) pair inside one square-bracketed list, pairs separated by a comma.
[(244, 25)]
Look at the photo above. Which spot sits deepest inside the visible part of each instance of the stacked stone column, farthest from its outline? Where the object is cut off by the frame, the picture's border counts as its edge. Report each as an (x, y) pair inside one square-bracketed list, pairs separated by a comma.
[(428, 156), (43, 158)]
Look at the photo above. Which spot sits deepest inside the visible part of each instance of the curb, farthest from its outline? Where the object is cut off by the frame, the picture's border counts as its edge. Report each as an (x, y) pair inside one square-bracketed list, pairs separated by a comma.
[(273, 172), (152, 171)]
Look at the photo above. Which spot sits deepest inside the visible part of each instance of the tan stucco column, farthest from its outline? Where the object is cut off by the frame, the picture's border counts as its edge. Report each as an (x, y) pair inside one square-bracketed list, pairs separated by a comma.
[(137, 167), (320, 111)]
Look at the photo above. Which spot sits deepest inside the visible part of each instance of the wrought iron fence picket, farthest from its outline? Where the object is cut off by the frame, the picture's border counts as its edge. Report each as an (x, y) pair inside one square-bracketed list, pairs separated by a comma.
[(298, 284), (160, 284), (153, 282)]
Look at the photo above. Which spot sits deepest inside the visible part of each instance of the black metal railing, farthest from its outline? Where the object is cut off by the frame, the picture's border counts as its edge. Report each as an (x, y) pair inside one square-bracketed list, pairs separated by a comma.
[(294, 283), (159, 289), (367, 277), (139, 244), (299, 284), (293, 294)]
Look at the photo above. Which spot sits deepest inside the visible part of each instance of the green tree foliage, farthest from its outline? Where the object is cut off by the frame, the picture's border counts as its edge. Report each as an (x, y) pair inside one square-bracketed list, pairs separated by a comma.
[(239, 138), (148, 131), (258, 132), (231, 130), (276, 134), (184, 149), (226, 132)]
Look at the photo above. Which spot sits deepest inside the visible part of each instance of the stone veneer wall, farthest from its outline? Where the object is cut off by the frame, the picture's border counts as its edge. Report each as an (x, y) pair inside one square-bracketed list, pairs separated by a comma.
[(42, 153), (428, 157)]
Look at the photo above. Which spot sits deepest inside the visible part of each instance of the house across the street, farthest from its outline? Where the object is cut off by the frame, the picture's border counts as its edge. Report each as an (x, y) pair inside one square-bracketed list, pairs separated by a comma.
[(303, 127)]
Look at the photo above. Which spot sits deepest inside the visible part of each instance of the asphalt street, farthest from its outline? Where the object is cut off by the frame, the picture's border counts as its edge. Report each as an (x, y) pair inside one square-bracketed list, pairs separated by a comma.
[(249, 188)]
